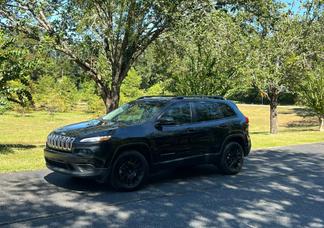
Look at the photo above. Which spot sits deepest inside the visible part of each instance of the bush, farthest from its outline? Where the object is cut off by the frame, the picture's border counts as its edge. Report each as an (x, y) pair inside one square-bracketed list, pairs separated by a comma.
[(88, 96), (4, 106), (55, 95), (130, 88)]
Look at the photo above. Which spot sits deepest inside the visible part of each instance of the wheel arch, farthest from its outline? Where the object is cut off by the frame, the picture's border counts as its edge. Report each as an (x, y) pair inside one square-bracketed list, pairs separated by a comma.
[(141, 147), (239, 138)]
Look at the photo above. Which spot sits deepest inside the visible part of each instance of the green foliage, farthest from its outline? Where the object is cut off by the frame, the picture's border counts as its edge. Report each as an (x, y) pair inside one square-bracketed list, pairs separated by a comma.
[(206, 56), (311, 91), (55, 95), (131, 88), (272, 53), (4, 105), (15, 71), (154, 64), (88, 96), (104, 38), (157, 89), (230, 49)]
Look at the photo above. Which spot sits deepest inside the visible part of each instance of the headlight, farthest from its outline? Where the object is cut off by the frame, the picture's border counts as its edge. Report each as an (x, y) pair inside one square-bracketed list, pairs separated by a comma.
[(95, 139)]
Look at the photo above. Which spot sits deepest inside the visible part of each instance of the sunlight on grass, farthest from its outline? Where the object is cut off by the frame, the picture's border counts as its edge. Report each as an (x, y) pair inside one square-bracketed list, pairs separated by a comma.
[(26, 135), (294, 128), (34, 127)]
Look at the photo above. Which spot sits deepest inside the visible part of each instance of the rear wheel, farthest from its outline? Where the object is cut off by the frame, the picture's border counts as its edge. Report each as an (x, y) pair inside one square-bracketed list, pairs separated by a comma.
[(231, 160), (129, 171)]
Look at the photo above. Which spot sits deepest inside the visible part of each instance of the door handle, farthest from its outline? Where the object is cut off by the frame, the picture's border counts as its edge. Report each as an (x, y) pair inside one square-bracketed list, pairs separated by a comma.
[(190, 130)]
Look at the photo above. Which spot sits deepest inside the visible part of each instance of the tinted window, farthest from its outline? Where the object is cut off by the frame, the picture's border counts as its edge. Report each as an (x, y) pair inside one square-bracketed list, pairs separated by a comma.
[(206, 111), (179, 113), (226, 110)]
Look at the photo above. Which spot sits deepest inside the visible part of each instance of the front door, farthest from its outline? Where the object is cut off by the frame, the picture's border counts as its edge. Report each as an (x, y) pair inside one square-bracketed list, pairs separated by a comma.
[(173, 133)]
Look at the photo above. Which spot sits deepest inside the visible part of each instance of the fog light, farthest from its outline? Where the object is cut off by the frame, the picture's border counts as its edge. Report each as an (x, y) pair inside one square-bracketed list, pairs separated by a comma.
[(85, 168)]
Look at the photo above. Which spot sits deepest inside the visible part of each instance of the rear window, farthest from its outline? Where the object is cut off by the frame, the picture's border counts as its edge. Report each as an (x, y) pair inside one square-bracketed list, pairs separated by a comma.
[(226, 110), (207, 110)]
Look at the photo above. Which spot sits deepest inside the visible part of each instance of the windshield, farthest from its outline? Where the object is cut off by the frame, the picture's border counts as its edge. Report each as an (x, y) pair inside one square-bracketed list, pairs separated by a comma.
[(135, 112)]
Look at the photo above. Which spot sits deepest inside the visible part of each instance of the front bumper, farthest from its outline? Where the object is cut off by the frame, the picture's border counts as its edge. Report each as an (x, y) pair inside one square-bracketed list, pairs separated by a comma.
[(73, 164)]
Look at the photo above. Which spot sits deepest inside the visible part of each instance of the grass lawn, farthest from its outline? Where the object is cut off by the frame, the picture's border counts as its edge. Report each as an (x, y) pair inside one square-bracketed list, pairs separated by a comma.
[(22, 137), (294, 128)]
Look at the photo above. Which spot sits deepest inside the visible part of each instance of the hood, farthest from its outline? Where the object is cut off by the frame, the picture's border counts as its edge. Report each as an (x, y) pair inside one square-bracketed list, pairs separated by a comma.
[(86, 128)]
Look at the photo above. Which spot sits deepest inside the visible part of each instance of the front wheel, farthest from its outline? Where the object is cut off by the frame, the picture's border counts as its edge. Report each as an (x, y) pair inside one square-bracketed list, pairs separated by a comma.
[(231, 160), (129, 171)]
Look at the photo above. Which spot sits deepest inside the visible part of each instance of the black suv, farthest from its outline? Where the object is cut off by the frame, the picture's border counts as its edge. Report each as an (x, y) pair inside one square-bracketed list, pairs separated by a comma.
[(151, 134)]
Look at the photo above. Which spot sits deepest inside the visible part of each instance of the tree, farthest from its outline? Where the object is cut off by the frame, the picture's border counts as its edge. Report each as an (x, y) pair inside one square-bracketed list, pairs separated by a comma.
[(103, 37), (274, 39), (311, 89), (14, 72), (311, 92), (206, 56)]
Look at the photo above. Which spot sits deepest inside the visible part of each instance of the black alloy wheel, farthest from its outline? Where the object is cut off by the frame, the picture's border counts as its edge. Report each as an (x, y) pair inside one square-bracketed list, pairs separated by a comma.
[(129, 171), (231, 161)]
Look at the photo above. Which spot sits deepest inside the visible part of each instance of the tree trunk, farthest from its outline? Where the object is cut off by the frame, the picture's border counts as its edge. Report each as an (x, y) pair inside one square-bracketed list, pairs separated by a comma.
[(111, 95), (274, 115), (112, 99), (321, 119)]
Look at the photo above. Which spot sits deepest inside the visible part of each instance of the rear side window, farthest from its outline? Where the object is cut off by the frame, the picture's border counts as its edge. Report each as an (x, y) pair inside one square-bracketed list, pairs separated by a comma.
[(226, 110), (179, 113), (206, 111)]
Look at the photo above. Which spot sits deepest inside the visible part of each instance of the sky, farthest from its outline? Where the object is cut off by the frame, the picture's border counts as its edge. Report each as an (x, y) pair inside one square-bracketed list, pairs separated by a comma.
[(293, 4)]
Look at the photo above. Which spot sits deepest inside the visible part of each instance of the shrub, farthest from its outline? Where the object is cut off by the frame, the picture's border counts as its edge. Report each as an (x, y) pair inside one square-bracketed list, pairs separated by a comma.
[(55, 95)]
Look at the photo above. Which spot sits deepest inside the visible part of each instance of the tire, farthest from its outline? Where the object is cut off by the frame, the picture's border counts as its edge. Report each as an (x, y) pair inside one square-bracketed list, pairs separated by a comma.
[(129, 171), (232, 159)]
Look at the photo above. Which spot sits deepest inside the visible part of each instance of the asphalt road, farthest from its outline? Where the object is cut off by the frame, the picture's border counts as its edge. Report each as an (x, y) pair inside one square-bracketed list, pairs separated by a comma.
[(279, 187)]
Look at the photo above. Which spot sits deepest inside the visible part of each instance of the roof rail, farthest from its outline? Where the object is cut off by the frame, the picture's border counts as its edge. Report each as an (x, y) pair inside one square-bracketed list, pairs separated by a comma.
[(201, 96), (167, 96), (184, 97)]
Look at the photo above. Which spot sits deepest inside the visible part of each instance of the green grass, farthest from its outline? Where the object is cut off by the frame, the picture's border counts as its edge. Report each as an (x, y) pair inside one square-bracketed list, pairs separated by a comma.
[(22, 137), (294, 128), (20, 159), (33, 128)]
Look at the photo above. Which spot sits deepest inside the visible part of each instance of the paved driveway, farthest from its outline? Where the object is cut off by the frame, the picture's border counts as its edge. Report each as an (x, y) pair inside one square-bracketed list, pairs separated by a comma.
[(278, 187)]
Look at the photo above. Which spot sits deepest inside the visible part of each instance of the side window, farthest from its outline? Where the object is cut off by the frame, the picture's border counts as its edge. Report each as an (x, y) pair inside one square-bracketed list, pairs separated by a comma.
[(179, 113), (206, 111), (226, 110)]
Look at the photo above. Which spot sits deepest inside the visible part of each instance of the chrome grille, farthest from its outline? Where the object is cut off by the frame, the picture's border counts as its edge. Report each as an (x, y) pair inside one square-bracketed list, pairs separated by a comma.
[(60, 142)]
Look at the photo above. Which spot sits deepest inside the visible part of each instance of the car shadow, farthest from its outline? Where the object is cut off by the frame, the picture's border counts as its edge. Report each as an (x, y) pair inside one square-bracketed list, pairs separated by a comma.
[(90, 185)]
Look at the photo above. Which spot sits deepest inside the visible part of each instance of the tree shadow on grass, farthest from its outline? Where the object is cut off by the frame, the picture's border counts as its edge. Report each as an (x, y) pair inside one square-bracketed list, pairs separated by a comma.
[(306, 123), (9, 148), (303, 112)]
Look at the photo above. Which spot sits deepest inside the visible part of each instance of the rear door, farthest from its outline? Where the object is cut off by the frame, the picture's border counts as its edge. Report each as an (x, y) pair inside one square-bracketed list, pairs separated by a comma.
[(210, 127)]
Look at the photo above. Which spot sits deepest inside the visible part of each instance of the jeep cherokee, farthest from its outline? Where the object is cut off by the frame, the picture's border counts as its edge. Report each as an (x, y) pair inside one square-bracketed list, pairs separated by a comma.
[(151, 134)]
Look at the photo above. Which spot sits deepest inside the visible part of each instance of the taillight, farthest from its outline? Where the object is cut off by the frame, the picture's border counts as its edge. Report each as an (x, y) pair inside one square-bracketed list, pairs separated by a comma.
[(247, 120)]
